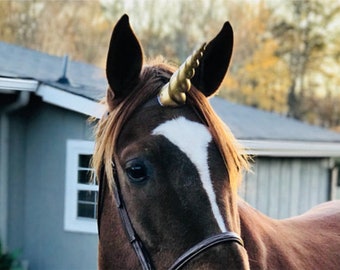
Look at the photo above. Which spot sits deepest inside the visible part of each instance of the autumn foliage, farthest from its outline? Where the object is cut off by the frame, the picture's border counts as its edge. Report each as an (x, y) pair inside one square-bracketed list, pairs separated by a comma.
[(286, 57)]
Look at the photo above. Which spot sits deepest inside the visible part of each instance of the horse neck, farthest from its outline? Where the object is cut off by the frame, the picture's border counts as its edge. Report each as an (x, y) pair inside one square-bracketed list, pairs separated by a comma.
[(252, 221), (259, 234), (270, 243)]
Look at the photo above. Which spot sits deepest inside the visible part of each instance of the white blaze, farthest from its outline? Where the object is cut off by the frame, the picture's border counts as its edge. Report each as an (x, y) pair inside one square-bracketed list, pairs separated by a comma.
[(193, 139)]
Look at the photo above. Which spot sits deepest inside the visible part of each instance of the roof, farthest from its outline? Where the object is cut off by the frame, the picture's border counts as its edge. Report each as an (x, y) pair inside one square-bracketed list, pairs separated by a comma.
[(270, 134), (18, 62), (257, 129), (248, 123)]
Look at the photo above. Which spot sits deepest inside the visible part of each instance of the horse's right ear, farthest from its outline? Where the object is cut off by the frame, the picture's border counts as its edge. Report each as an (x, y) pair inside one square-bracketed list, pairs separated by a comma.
[(124, 62)]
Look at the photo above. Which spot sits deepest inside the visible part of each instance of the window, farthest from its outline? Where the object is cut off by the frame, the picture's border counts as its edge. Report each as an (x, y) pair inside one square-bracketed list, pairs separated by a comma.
[(335, 180), (337, 195), (81, 193)]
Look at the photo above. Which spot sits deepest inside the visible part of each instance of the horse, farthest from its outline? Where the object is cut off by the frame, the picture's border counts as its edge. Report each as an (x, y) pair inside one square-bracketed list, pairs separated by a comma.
[(169, 169)]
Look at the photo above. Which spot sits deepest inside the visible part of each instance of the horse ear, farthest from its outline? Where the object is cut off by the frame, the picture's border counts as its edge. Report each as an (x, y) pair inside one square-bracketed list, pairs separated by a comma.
[(215, 61), (124, 61)]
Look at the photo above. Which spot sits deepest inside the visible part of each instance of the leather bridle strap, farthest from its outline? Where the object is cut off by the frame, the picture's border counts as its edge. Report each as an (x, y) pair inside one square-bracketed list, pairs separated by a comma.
[(137, 245), (126, 222), (204, 245)]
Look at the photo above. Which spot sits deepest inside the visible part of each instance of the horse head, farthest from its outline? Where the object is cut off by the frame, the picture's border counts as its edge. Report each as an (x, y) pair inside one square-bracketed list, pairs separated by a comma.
[(170, 161)]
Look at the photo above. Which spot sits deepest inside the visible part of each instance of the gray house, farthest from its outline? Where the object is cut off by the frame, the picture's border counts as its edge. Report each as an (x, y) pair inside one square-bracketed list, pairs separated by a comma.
[(48, 206), (294, 164)]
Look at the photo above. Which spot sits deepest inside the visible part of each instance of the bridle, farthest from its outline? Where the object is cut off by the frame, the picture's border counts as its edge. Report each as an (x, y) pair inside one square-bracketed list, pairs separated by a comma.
[(137, 244)]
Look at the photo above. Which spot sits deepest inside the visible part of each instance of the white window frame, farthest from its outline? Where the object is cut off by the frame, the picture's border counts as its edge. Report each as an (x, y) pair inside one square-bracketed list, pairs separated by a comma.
[(72, 222), (335, 187)]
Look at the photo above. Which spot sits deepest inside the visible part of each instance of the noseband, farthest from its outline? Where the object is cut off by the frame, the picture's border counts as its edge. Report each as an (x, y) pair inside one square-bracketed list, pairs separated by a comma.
[(137, 244), (204, 245)]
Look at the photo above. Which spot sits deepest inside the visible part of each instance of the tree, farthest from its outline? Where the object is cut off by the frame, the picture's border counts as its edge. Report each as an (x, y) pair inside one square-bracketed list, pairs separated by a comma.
[(304, 40), (17, 22), (57, 27), (285, 58), (174, 34), (257, 73), (258, 77)]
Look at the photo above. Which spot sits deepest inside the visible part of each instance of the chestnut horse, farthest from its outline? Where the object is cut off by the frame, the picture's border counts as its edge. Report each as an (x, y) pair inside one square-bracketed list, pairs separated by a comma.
[(169, 170)]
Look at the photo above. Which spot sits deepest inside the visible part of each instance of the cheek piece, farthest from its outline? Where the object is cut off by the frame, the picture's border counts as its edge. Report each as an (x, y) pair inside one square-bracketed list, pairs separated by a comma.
[(137, 244)]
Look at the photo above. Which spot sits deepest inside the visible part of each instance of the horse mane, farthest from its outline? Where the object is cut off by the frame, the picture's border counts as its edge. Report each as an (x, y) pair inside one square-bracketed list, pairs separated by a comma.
[(152, 78)]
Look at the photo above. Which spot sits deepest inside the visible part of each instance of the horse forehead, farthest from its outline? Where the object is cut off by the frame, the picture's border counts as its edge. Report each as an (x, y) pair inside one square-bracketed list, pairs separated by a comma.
[(191, 137)]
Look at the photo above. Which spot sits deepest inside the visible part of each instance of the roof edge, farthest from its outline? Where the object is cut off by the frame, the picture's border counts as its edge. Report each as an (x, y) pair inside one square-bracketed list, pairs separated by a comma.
[(291, 148), (16, 84), (70, 101)]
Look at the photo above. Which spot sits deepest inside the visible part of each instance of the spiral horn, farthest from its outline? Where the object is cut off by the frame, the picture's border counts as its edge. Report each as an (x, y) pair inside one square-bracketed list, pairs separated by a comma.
[(173, 93)]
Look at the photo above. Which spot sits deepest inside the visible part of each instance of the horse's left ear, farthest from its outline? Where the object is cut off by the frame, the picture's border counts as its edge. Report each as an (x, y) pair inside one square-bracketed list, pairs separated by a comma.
[(215, 61), (124, 62)]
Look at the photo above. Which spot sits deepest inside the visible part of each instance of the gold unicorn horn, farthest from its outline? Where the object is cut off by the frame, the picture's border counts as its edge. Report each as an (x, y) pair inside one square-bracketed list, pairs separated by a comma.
[(173, 93)]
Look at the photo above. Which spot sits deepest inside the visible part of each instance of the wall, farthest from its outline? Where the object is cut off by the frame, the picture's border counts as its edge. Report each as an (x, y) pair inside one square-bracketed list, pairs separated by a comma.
[(16, 186), (37, 188), (284, 187)]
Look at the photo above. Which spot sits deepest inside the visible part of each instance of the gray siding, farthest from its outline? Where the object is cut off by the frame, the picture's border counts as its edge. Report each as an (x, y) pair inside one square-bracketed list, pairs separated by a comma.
[(37, 190), (284, 187), (16, 187)]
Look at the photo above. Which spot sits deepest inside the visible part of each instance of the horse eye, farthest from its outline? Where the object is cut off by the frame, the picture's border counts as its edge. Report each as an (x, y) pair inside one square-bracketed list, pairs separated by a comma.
[(136, 171)]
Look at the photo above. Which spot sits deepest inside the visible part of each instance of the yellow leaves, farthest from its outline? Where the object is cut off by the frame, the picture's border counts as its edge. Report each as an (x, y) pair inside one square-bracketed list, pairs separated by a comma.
[(262, 30), (58, 27), (262, 81), (230, 82), (264, 58)]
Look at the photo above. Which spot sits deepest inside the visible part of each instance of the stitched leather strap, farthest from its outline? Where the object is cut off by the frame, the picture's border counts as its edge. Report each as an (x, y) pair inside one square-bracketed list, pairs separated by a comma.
[(137, 245), (204, 245)]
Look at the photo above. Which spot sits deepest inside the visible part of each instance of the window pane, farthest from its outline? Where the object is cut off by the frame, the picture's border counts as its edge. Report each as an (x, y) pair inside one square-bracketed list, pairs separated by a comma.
[(87, 196), (86, 210), (84, 161), (84, 177), (87, 203)]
